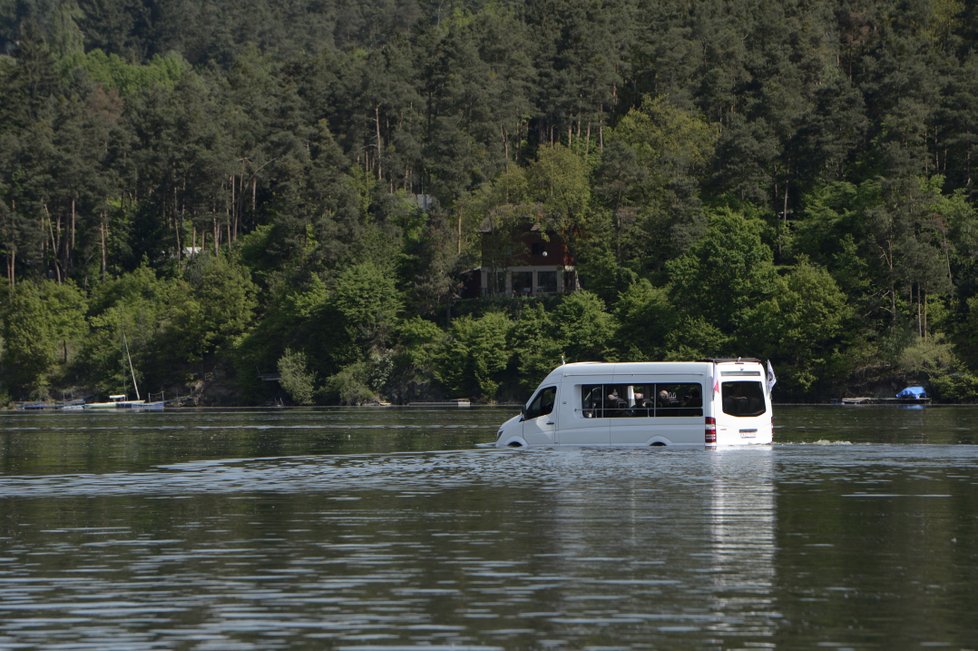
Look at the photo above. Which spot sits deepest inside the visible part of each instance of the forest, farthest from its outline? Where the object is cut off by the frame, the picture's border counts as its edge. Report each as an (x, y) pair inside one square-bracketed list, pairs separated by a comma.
[(279, 201)]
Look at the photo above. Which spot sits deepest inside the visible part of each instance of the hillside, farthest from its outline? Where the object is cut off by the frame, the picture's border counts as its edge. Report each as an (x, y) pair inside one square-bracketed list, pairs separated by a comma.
[(302, 190)]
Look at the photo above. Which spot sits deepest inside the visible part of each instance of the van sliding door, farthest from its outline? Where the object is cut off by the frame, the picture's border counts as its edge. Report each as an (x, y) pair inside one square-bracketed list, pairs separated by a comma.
[(662, 409), (587, 411)]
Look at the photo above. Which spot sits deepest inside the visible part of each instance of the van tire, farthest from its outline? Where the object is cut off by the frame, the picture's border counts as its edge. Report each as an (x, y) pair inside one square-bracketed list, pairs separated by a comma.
[(658, 444)]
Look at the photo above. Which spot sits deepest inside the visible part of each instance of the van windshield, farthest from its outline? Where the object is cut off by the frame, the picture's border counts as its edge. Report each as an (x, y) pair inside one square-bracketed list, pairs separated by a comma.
[(542, 404), (743, 398)]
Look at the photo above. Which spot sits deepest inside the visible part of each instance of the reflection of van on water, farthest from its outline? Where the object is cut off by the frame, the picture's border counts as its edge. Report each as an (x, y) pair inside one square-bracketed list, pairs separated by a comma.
[(692, 404)]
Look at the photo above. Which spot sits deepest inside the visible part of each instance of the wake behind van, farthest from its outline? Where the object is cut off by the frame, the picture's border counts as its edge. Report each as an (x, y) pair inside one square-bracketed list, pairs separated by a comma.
[(707, 403)]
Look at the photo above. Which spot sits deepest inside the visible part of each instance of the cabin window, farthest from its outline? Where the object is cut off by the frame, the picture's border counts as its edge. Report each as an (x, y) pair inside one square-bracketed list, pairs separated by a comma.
[(547, 282), (648, 400), (500, 282), (542, 404), (743, 398), (522, 283)]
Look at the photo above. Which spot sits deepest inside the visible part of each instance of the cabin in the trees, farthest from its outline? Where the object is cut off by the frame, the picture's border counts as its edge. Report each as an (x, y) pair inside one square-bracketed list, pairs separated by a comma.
[(523, 260)]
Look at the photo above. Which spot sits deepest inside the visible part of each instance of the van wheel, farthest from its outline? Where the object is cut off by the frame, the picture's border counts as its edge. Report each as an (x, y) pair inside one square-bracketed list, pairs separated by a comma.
[(658, 444), (515, 444)]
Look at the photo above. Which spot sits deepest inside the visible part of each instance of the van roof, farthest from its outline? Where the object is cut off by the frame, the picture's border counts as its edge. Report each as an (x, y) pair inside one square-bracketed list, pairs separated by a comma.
[(700, 367)]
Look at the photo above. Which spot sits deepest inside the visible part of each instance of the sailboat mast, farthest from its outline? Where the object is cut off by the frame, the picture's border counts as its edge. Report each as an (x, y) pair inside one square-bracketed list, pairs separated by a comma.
[(132, 371)]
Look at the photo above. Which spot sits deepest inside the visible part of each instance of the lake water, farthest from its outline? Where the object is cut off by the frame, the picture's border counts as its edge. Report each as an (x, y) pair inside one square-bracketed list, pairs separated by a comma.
[(395, 529)]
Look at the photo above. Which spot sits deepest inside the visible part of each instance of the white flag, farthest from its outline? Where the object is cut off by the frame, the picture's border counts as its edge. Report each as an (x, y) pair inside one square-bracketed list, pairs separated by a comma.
[(771, 377)]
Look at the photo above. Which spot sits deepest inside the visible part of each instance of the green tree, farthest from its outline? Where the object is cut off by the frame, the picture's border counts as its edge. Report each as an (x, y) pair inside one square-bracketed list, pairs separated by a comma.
[(802, 327), (415, 359), (148, 315), (537, 348), (427, 258), (645, 318), (297, 316), (475, 355), (580, 47), (558, 182), (693, 337), (351, 384), (181, 151), (42, 325), (648, 176), (934, 363), (725, 274), (295, 377), (585, 329), (227, 298), (369, 303)]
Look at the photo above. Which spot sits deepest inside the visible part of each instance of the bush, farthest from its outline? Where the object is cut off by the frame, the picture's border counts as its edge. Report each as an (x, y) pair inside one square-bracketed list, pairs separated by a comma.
[(956, 387), (295, 378), (351, 384)]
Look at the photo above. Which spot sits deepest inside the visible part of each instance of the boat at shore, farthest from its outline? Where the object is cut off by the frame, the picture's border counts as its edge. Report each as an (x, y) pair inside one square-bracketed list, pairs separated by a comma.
[(121, 401), (912, 395)]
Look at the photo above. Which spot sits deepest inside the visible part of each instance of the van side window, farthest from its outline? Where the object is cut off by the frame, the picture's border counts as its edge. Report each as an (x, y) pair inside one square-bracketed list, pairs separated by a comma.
[(679, 400), (644, 400), (592, 401), (542, 404), (615, 400), (743, 398)]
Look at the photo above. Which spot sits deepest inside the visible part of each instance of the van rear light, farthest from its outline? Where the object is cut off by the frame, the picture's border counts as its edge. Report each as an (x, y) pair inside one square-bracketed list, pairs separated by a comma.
[(711, 430)]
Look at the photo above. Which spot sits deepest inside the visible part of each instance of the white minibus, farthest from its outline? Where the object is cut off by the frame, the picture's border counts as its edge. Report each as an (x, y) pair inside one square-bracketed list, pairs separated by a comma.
[(709, 403)]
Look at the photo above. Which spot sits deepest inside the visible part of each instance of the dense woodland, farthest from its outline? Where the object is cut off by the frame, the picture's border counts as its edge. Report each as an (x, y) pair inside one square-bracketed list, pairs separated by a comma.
[(248, 189)]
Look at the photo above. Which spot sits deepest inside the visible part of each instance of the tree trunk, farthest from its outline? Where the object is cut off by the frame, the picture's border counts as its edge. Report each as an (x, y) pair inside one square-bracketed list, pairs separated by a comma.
[(380, 176), (104, 243), (920, 319), (888, 258), (178, 225), (74, 233), (233, 209), (924, 302), (11, 266), (55, 243)]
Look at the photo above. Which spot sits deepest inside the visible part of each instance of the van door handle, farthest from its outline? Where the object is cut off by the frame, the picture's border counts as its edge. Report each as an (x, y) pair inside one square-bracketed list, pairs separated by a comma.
[(550, 422)]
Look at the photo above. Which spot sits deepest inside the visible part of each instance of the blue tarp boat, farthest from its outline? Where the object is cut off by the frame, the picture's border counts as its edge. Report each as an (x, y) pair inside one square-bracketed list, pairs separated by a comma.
[(913, 394)]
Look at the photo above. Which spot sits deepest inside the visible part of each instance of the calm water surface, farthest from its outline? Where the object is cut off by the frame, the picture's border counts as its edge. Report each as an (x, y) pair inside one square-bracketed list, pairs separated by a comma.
[(395, 529)]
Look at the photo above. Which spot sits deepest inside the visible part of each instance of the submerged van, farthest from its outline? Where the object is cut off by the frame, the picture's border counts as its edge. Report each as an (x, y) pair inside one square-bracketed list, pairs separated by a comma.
[(717, 402)]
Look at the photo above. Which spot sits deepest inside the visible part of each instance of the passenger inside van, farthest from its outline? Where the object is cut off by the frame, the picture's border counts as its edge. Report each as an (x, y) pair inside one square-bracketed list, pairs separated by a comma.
[(615, 401), (592, 402)]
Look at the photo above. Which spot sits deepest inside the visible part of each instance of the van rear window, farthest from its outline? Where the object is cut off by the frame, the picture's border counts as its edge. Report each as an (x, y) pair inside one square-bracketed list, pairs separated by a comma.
[(651, 400), (742, 398)]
